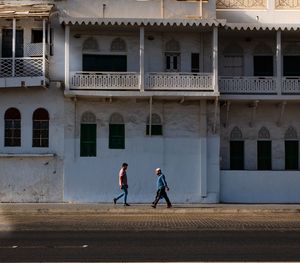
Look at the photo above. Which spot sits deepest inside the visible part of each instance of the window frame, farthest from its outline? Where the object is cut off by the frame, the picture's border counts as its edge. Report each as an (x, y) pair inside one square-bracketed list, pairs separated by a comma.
[(42, 132), (12, 140)]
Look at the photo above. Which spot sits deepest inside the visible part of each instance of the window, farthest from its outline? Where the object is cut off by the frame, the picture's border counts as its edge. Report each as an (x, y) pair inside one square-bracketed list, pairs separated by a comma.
[(7, 35), (263, 60), (291, 155), (264, 155), (291, 149), (263, 65), (236, 150), (156, 125), (88, 135), (291, 65), (264, 150), (172, 56), (12, 137), (116, 132), (195, 65), (37, 36), (40, 128), (118, 45), (113, 63), (233, 64)]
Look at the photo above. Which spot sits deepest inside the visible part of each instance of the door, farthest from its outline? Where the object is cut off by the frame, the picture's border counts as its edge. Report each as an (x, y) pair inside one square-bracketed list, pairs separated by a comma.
[(112, 63)]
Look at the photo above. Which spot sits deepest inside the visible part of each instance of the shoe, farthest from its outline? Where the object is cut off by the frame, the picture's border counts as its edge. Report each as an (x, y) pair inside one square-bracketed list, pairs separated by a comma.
[(115, 201), (169, 206), (154, 206), (126, 204)]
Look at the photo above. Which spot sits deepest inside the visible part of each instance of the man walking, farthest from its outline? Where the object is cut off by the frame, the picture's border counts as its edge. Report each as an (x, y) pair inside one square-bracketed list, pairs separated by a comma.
[(123, 184), (161, 189)]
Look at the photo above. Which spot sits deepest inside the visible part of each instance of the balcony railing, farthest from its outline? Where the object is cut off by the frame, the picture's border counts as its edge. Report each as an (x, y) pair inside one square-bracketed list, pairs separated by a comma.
[(105, 80), (23, 67), (179, 81), (291, 85), (130, 81), (247, 85), (36, 49)]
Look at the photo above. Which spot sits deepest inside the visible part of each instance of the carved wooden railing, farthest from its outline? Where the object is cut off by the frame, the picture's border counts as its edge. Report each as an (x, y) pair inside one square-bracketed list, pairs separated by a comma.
[(287, 4), (179, 81), (291, 85), (241, 4), (105, 80), (247, 85)]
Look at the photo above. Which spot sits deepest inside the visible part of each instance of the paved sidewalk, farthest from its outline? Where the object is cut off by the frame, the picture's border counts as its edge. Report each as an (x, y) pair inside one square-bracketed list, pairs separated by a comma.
[(105, 208)]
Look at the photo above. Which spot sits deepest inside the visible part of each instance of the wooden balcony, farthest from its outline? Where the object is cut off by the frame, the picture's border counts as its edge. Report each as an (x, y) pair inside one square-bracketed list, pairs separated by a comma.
[(259, 85), (247, 85), (155, 81), (23, 72)]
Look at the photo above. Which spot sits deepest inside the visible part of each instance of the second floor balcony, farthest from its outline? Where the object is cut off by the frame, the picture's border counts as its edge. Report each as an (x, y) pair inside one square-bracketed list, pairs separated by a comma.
[(154, 81)]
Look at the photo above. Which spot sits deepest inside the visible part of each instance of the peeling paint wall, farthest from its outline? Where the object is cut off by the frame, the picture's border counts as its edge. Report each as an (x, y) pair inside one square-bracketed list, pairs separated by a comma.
[(27, 178), (177, 152)]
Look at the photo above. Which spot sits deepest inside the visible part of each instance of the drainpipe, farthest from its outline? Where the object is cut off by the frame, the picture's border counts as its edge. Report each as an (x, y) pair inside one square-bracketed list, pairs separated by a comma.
[(278, 62), (44, 49), (215, 59), (142, 59), (67, 57), (150, 117), (14, 48), (203, 149)]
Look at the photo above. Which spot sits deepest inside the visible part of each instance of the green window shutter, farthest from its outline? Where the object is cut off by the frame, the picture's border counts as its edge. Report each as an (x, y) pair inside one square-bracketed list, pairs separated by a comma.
[(236, 155), (116, 136), (88, 140), (291, 155), (264, 155), (156, 130)]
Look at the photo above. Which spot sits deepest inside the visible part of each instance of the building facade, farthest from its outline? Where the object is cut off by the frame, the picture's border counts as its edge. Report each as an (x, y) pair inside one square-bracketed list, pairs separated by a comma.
[(208, 91)]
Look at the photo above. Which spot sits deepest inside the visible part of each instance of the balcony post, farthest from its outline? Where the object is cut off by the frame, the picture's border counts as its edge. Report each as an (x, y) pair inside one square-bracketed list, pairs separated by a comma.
[(203, 148), (44, 47), (142, 59), (215, 59), (278, 62), (67, 57), (14, 48)]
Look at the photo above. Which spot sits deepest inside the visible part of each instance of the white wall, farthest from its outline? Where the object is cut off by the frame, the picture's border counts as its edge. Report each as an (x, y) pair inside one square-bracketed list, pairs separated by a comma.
[(94, 179), (32, 179), (260, 186)]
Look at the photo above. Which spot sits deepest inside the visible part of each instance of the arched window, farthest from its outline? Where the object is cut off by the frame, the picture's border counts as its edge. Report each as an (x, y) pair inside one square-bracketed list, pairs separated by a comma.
[(90, 44), (12, 123), (263, 60), (116, 132), (118, 45), (172, 56), (233, 64), (264, 150), (156, 125), (40, 128), (291, 145), (236, 149), (88, 135)]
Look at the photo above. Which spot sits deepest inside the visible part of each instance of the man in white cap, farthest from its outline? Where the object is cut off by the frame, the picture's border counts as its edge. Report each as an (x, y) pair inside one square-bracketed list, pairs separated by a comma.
[(162, 186)]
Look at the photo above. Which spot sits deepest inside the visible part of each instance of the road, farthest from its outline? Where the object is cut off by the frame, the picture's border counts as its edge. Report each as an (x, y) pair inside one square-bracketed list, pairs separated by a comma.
[(81, 237), (148, 246)]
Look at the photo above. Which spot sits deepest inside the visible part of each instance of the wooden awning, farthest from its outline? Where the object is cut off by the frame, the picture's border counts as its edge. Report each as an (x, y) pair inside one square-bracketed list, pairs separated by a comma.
[(32, 10)]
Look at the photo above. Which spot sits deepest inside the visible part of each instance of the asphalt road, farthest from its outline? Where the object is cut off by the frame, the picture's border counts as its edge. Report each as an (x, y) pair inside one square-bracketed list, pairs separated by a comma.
[(142, 246)]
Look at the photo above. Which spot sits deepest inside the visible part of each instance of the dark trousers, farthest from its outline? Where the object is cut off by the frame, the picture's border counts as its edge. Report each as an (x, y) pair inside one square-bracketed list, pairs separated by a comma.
[(161, 193)]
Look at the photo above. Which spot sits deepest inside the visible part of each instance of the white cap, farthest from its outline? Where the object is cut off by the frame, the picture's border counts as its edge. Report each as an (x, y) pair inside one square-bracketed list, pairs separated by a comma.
[(157, 170)]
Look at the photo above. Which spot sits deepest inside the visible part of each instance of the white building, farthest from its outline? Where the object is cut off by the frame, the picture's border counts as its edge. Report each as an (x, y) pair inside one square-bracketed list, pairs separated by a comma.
[(208, 91)]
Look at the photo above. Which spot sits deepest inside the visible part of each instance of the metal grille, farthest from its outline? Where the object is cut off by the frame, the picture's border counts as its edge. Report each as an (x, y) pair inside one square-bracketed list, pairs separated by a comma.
[(24, 67)]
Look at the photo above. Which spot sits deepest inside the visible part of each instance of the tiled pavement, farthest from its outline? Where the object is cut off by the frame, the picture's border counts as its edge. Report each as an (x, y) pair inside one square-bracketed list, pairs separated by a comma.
[(106, 217)]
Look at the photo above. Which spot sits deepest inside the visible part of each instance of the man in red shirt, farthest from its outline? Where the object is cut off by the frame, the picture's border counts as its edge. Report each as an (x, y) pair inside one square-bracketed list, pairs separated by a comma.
[(123, 184)]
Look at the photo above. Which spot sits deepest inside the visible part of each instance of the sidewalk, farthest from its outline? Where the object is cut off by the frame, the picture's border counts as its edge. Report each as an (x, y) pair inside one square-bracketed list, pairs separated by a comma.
[(105, 208)]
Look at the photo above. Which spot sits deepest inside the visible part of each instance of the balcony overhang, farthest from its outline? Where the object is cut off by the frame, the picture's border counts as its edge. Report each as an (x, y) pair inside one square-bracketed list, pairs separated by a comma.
[(262, 26), (68, 20), (29, 10)]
